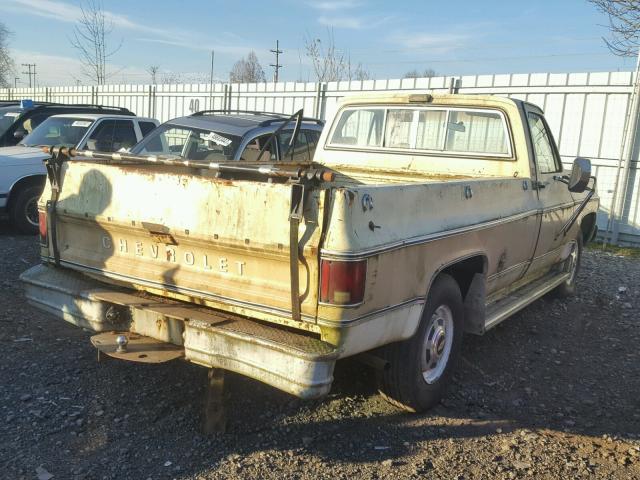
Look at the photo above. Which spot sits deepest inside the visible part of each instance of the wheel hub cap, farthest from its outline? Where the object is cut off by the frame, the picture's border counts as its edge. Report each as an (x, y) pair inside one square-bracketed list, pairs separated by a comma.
[(31, 211), (437, 344)]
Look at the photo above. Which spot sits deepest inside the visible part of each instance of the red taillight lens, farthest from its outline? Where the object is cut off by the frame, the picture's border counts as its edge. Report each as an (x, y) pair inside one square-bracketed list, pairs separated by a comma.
[(42, 221), (342, 283)]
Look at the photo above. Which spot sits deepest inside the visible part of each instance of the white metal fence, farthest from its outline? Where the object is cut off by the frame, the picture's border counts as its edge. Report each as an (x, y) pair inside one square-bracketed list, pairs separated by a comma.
[(586, 111)]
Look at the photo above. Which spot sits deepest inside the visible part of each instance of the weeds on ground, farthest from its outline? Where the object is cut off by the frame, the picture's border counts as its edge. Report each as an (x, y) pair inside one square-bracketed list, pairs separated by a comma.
[(631, 252)]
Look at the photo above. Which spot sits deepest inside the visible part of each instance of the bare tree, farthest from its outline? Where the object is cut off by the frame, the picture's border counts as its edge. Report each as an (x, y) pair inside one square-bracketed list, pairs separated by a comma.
[(153, 71), (7, 66), (426, 73), (331, 64), (171, 77), (247, 70), (359, 73), (90, 37), (624, 24)]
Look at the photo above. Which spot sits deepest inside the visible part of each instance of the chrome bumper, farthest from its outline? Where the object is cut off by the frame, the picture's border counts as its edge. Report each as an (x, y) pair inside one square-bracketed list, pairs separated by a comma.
[(298, 364)]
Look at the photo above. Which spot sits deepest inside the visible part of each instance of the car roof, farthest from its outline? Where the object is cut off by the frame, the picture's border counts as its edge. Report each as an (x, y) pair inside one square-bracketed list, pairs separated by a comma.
[(239, 123), (99, 116), (67, 106)]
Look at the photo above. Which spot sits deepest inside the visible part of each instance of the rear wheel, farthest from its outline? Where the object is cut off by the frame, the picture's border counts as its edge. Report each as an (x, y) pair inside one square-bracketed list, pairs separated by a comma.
[(24, 209), (421, 367)]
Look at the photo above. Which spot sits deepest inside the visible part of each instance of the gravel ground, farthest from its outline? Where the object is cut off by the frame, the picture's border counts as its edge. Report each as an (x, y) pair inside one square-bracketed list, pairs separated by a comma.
[(552, 393)]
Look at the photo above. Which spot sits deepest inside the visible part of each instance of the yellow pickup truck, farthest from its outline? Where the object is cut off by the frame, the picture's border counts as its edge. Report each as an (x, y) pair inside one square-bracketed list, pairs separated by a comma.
[(420, 217)]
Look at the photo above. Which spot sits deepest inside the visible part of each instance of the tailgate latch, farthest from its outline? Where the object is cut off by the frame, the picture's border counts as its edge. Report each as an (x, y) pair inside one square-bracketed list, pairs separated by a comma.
[(295, 216)]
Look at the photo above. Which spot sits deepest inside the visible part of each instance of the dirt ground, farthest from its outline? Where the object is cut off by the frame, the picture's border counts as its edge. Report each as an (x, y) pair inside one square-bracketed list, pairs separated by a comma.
[(552, 393)]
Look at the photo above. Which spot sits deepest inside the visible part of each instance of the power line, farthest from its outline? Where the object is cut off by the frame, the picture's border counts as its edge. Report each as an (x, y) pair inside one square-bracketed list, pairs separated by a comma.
[(276, 65), (29, 72)]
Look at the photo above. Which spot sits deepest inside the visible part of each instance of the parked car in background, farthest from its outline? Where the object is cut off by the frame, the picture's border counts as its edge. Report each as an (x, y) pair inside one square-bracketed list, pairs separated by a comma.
[(23, 174), (219, 136), (19, 118)]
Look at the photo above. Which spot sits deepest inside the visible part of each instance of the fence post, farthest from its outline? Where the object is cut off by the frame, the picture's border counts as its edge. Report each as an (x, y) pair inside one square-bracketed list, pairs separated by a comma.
[(322, 101), (454, 85), (316, 100), (628, 149), (149, 112), (224, 98)]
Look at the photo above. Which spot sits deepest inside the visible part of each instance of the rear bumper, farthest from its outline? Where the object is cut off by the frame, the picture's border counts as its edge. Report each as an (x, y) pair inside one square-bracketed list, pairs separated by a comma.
[(300, 365)]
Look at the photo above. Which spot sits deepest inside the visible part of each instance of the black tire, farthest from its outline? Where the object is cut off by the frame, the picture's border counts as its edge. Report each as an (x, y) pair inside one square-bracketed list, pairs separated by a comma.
[(23, 211), (568, 287), (404, 384)]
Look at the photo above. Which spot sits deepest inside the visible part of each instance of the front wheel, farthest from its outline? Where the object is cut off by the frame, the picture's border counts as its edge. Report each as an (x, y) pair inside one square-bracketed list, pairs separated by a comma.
[(24, 209), (572, 266), (421, 367)]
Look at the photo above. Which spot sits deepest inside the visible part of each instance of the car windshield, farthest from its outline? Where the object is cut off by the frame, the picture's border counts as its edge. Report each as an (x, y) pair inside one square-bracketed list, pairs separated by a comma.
[(189, 143), (8, 115), (64, 131)]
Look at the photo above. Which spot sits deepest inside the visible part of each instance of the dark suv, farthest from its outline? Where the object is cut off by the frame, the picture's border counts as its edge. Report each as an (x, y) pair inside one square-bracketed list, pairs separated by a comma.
[(19, 118), (222, 136)]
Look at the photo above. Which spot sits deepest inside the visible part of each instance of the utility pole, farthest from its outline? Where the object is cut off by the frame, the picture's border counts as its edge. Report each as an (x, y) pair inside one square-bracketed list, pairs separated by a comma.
[(29, 72), (276, 65), (15, 82)]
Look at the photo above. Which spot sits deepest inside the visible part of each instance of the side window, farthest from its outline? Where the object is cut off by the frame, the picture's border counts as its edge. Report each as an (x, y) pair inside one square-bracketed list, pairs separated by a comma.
[(398, 128), (101, 138), (146, 127), (299, 152), (359, 128), (473, 131), (312, 139), (546, 159), (252, 150), (430, 129), (124, 135)]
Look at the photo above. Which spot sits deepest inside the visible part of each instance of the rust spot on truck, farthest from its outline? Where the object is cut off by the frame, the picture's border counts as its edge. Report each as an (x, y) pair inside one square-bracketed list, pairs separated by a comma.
[(502, 261)]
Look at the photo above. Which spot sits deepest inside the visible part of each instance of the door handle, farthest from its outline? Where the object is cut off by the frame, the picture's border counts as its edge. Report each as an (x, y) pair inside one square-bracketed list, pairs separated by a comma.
[(539, 185)]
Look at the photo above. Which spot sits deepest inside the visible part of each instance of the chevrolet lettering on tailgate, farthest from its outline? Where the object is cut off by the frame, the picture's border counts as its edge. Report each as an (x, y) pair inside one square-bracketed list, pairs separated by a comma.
[(170, 254)]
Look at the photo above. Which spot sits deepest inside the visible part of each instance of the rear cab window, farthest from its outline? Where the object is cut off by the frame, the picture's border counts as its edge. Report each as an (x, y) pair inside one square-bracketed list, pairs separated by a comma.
[(432, 130)]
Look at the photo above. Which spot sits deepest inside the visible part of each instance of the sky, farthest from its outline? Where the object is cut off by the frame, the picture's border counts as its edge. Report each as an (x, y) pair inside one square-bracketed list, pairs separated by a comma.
[(389, 38)]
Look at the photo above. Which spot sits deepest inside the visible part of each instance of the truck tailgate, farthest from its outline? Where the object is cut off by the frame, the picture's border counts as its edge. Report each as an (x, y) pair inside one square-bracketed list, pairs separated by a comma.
[(223, 241)]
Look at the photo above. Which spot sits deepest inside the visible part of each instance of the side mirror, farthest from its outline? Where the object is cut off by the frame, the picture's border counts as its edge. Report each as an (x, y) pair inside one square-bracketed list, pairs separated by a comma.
[(580, 175), (20, 134)]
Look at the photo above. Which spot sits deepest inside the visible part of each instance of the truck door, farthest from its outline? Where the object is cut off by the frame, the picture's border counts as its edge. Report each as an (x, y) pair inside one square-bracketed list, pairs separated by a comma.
[(555, 201)]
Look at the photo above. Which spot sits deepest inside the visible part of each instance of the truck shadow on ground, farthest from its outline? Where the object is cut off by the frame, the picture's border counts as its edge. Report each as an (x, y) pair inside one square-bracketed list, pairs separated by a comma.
[(551, 367)]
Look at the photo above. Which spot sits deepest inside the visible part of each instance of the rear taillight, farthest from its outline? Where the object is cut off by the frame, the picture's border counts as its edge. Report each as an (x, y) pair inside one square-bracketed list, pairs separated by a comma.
[(342, 283), (42, 221)]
